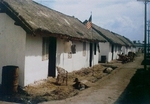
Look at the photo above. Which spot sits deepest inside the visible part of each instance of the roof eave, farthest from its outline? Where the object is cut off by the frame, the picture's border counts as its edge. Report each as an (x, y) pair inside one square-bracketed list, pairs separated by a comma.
[(19, 20)]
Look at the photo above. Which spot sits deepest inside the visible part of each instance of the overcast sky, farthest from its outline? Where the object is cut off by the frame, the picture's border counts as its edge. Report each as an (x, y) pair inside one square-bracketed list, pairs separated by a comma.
[(125, 17)]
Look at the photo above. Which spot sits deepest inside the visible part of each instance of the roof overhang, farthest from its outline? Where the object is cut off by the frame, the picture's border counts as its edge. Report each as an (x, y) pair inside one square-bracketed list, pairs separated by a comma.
[(5, 8)]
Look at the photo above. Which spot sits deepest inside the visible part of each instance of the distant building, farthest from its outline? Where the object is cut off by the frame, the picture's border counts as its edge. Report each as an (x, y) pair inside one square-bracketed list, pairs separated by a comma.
[(138, 45)]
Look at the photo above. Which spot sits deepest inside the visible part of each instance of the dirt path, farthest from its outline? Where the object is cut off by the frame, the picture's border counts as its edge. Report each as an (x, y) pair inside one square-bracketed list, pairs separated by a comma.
[(108, 89)]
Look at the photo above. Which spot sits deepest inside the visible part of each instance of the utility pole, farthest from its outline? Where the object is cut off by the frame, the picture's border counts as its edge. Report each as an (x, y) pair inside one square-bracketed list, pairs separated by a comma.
[(148, 39), (145, 31)]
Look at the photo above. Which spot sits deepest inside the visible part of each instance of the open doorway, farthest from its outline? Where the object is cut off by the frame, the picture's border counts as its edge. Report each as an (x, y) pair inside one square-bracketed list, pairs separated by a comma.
[(52, 57)]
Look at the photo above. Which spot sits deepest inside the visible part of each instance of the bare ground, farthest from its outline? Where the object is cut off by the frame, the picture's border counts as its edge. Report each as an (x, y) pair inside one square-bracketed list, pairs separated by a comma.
[(115, 87)]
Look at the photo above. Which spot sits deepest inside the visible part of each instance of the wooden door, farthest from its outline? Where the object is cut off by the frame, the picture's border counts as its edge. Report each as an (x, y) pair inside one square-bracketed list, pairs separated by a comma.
[(52, 57)]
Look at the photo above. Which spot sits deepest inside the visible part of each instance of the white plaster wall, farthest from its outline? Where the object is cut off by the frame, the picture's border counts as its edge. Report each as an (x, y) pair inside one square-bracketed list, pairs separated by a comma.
[(124, 49), (137, 48), (133, 49), (35, 68), (118, 51), (115, 52), (105, 50), (77, 61), (129, 49), (12, 45), (110, 53), (96, 57)]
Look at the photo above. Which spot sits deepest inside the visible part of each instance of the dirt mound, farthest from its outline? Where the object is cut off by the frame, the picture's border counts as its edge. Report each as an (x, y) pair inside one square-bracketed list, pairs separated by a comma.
[(46, 90)]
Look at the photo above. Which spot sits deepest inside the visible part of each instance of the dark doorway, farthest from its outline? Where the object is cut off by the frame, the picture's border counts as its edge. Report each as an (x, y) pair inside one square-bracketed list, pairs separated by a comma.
[(52, 57), (91, 54)]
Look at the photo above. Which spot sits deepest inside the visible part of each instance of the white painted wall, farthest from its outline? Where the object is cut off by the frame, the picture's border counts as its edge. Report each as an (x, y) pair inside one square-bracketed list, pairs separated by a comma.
[(12, 45), (114, 52), (105, 50), (137, 49), (128, 49), (117, 51), (124, 50), (77, 61), (35, 68), (110, 53), (96, 57), (133, 49)]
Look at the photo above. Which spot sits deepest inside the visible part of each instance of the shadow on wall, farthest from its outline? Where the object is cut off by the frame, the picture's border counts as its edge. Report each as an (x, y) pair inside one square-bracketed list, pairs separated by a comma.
[(138, 90), (33, 46)]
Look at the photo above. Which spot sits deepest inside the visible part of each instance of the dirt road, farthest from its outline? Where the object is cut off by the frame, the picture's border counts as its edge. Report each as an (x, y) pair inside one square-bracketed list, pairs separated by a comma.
[(110, 89)]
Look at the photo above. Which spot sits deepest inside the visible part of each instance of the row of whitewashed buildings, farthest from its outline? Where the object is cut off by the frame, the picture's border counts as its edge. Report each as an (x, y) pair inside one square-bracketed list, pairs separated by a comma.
[(37, 39)]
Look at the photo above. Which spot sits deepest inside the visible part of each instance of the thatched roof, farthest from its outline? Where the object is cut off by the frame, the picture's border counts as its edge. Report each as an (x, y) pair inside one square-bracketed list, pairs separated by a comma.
[(110, 37), (132, 44), (113, 39), (37, 19), (124, 39)]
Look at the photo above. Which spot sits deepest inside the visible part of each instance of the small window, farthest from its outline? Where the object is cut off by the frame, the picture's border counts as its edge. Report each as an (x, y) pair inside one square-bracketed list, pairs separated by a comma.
[(45, 49), (84, 48), (67, 46), (73, 49), (69, 55)]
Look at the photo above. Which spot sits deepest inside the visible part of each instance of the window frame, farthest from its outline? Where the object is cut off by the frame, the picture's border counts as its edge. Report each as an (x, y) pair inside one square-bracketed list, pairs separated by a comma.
[(45, 48), (84, 48)]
